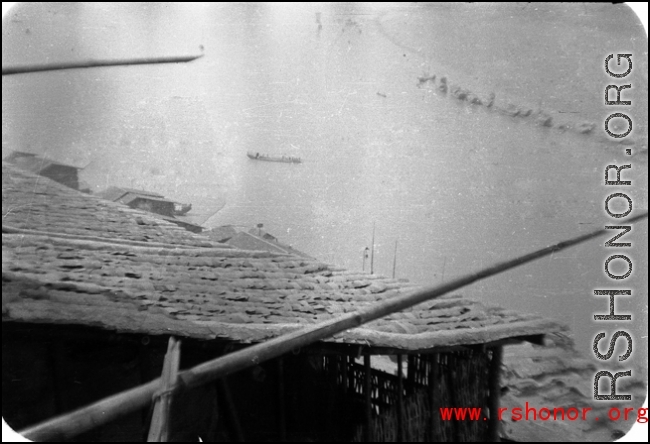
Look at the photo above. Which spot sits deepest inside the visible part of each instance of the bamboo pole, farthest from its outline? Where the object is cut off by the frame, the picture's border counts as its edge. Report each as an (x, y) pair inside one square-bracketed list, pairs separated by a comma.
[(159, 430), (24, 69), (101, 412)]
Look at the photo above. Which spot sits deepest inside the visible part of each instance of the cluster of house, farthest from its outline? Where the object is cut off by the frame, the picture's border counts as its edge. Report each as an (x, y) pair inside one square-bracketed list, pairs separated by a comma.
[(93, 287), (239, 237)]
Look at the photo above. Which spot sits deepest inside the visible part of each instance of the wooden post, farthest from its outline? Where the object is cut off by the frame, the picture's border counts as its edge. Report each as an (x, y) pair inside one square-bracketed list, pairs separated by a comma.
[(108, 409), (366, 391), (400, 400), (494, 387), (159, 429)]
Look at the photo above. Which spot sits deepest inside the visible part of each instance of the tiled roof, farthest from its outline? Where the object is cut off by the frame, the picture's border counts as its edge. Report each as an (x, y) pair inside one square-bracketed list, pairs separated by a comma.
[(38, 204), (207, 293)]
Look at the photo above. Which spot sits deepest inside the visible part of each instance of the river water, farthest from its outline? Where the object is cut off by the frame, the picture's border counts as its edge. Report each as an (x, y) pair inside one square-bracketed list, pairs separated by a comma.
[(457, 186)]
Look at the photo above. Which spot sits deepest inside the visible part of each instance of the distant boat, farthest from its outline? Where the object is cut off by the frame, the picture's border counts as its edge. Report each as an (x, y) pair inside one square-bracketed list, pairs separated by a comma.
[(267, 158)]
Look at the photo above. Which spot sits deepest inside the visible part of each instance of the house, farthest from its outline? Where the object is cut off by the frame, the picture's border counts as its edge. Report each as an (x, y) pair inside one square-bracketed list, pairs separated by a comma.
[(141, 200), (31, 206), (557, 374), (252, 239), (88, 315), (186, 223), (151, 202), (67, 175)]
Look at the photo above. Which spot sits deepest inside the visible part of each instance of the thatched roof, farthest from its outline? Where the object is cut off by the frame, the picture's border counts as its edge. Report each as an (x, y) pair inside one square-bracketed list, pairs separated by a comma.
[(206, 293)]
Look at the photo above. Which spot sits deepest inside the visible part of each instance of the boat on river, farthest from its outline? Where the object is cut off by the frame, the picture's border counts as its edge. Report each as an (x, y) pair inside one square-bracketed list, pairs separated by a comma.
[(267, 158)]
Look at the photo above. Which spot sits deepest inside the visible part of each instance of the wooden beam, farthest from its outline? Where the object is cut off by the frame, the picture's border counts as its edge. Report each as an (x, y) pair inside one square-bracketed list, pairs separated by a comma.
[(494, 387), (324, 348), (332, 348), (110, 408)]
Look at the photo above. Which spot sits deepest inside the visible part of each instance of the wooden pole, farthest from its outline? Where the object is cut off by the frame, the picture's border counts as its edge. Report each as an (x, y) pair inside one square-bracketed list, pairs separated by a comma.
[(159, 429), (394, 259), (101, 412), (372, 251), (24, 69), (494, 388), (400, 400)]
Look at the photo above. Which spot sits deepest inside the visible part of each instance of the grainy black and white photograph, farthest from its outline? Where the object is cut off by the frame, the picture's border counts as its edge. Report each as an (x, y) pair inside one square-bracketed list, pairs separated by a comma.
[(324, 222)]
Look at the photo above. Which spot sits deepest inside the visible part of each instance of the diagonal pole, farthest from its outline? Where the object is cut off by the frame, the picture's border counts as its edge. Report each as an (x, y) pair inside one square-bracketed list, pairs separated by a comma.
[(108, 409), (94, 63)]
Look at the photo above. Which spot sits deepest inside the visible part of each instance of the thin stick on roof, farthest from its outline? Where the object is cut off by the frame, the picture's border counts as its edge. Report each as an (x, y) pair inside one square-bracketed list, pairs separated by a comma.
[(24, 69), (108, 409)]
